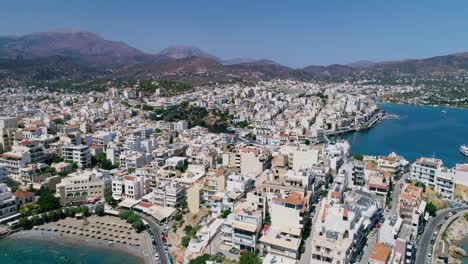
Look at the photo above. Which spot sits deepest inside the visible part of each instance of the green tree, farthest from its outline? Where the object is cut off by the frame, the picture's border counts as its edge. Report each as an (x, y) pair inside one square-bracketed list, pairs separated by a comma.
[(307, 142), (84, 210), (138, 225), (52, 216), (358, 157), (107, 165), (178, 217), (187, 229), (185, 241), (36, 220), (200, 259), (99, 210), (267, 219), (250, 258), (110, 200), (47, 201), (225, 213), (25, 223), (29, 209), (431, 209)]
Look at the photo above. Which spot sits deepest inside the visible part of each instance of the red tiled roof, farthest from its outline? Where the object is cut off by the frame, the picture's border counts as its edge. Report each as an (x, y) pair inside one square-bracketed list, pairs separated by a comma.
[(23, 194)]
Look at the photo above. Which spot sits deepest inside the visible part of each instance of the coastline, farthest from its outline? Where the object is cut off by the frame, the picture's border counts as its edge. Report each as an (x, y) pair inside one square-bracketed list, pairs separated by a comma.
[(60, 239), (456, 232), (428, 105)]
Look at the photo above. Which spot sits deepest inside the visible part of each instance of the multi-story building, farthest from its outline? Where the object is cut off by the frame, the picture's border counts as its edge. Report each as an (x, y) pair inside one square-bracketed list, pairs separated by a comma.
[(77, 153), (8, 206), (239, 183), (253, 161), (169, 194), (131, 187), (13, 161), (289, 216), (411, 208), (8, 126), (243, 228), (432, 172), (338, 235), (213, 184), (80, 186), (358, 173)]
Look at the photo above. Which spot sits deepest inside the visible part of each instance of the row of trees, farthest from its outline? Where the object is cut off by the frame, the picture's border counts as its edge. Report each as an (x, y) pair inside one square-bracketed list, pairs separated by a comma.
[(27, 222), (246, 258), (132, 218)]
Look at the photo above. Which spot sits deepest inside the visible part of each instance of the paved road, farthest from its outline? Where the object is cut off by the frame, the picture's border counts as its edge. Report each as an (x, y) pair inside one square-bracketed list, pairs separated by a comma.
[(157, 236), (396, 194), (307, 255), (424, 242), (369, 248)]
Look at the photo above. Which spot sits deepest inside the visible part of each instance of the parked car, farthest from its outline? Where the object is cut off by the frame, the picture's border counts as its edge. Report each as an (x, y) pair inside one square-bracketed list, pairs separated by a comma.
[(234, 251)]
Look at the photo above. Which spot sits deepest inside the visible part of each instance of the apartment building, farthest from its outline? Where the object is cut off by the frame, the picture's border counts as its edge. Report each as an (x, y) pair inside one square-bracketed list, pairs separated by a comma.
[(80, 186), (8, 126), (13, 161), (253, 161), (8, 206), (168, 194), (289, 216), (432, 172), (239, 183), (358, 173), (338, 234), (80, 154), (411, 208), (242, 229), (214, 183), (130, 187)]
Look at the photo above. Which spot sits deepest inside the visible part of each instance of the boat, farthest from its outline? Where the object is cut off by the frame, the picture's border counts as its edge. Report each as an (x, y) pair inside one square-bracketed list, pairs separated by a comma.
[(444, 111), (464, 150)]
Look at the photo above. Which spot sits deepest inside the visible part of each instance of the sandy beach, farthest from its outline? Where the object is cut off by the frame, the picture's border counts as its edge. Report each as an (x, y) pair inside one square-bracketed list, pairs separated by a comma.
[(67, 232)]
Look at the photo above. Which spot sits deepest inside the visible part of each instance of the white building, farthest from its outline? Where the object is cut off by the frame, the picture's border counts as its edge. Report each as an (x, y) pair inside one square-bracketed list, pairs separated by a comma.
[(131, 187), (432, 172), (80, 186), (168, 194), (77, 153), (8, 206)]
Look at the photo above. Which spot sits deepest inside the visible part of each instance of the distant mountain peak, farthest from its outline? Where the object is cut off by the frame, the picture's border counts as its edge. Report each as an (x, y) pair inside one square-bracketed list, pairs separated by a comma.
[(361, 64), (185, 51)]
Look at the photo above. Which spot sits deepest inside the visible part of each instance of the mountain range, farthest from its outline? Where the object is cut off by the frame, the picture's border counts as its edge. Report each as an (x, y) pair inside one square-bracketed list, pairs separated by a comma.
[(74, 54)]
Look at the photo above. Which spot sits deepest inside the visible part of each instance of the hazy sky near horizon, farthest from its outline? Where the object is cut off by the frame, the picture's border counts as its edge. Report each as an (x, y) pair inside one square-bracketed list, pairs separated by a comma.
[(293, 33)]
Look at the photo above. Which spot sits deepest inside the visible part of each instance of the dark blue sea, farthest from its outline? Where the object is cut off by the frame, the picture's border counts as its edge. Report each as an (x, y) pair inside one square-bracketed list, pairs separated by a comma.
[(42, 252), (420, 131)]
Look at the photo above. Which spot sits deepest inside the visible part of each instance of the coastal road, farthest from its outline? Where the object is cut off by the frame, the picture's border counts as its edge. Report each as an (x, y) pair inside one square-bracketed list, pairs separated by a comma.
[(157, 236), (425, 247)]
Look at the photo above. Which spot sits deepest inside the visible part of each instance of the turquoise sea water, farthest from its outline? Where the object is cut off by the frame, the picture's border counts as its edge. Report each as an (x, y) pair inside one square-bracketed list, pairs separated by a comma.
[(39, 252), (464, 244), (420, 131)]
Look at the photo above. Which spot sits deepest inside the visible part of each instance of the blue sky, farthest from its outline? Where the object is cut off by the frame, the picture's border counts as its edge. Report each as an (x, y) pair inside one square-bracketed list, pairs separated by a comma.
[(294, 33)]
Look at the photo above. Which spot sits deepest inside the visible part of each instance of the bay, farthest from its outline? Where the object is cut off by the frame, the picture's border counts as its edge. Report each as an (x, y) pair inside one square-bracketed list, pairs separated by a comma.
[(41, 252), (419, 131)]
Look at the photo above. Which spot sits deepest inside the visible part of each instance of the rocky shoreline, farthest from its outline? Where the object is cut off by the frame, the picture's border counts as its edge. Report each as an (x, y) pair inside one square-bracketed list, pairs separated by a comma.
[(456, 232)]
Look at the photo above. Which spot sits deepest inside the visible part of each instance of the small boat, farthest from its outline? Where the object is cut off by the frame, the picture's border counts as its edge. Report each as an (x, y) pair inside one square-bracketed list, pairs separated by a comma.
[(464, 150), (444, 111)]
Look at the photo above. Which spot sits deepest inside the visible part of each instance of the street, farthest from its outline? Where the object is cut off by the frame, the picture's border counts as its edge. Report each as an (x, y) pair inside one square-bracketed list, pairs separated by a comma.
[(424, 246), (154, 227)]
